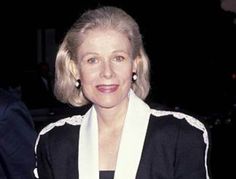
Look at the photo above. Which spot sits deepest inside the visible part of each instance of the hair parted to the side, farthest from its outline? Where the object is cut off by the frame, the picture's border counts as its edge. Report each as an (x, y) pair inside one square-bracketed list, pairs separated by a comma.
[(106, 17)]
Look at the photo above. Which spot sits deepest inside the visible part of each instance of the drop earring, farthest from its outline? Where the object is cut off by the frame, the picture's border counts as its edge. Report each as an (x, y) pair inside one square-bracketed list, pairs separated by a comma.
[(134, 77), (78, 84)]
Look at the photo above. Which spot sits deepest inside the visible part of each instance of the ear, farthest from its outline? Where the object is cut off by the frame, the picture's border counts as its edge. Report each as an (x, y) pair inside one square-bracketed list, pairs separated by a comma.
[(74, 69), (136, 62)]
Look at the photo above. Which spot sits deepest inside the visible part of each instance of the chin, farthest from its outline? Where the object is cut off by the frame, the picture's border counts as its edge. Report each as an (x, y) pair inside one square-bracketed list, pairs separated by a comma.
[(107, 104), (110, 102)]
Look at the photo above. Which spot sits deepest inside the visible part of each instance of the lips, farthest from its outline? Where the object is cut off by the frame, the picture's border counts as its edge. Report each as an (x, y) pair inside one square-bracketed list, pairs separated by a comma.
[(107, 88)]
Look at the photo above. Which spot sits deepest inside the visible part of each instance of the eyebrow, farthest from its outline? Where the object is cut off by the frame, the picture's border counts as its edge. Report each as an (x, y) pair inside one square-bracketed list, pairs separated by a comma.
[(88, 53), (94, 53), (118, 51)]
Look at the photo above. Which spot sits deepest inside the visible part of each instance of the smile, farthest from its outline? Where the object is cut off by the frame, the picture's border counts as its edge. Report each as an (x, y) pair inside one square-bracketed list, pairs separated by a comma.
[(107, 88)]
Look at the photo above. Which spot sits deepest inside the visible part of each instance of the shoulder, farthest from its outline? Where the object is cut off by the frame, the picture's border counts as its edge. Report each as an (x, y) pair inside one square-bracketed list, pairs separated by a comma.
[(6, 100), (184, 139), (69, 122), (5, 96), (13, 110), (174, 123), (60, 129)]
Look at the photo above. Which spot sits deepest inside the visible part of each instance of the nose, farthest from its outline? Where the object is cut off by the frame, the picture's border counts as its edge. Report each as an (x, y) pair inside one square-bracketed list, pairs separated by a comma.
[(107, 71)]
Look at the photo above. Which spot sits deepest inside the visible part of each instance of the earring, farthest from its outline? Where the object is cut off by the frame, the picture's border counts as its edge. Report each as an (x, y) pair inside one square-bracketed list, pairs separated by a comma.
[(77, 84), (134, 77)]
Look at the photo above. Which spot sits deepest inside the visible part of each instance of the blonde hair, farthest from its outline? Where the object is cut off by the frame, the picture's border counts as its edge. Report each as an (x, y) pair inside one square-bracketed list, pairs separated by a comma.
[(103, 17)]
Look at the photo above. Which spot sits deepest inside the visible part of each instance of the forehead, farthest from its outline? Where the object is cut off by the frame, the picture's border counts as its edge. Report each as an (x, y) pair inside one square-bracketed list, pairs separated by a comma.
[(102, 40)]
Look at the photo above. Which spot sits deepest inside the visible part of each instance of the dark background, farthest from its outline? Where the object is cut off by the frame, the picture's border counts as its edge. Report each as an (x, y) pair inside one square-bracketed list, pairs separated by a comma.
[(191, 45)]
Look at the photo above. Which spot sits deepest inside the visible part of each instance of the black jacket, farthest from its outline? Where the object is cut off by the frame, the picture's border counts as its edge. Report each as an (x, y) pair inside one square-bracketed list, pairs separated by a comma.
[(175, 146)]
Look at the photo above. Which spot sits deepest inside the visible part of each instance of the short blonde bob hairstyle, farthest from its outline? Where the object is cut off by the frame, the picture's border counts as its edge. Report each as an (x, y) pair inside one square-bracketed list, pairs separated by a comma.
[(103, 17)]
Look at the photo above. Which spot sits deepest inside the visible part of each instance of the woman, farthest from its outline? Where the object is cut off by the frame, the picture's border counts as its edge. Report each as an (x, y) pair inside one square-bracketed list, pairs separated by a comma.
[(102, 60)]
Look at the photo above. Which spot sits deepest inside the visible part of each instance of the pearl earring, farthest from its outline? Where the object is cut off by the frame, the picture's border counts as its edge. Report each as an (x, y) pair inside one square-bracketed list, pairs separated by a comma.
[(134, 77), (78, 84)]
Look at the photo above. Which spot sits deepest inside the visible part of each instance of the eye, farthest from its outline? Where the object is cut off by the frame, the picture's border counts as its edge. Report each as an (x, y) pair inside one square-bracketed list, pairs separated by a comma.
[(92, 60), (119, 58)]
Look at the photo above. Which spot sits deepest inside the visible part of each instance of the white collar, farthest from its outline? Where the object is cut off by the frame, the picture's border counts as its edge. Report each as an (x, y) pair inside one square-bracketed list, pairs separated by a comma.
[(131, 144)]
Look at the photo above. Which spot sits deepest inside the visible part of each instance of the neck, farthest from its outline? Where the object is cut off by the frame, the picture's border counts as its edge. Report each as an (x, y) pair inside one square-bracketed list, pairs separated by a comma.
[(112, 118)]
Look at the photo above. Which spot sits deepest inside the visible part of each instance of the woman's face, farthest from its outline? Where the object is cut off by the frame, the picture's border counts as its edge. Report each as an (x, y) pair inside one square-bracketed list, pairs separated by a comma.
[(105, 67)]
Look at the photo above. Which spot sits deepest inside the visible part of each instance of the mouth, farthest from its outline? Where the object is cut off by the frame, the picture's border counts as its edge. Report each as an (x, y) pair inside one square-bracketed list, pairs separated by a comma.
[(107, 88)]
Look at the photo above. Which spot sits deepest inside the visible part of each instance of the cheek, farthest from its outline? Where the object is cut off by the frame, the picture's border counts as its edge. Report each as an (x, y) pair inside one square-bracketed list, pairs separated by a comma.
[(125, 74), (127, 77), (87, 76), (86, 80)]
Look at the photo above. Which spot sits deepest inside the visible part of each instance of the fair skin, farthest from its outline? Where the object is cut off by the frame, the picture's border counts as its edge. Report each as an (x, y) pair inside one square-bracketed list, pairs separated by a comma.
[(105, 71)]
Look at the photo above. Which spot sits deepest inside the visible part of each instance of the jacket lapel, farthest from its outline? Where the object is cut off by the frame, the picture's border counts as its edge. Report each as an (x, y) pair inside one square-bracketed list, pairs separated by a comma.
[(132, 141), (88, 146)]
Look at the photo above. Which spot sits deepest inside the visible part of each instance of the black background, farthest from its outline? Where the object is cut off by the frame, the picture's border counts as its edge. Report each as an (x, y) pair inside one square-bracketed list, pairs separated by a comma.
[(191, 44)]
